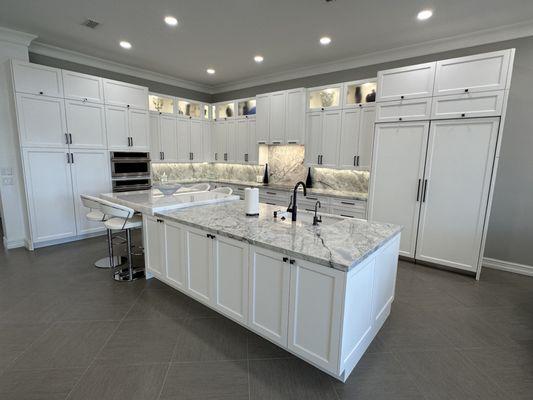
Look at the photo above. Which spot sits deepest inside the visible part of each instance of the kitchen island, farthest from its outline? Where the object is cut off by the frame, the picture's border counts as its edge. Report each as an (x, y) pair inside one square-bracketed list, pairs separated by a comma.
[(321, 292)]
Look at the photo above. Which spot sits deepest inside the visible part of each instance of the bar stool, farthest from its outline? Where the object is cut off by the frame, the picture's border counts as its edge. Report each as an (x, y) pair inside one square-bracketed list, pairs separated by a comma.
[(223, 189), (122, 219)]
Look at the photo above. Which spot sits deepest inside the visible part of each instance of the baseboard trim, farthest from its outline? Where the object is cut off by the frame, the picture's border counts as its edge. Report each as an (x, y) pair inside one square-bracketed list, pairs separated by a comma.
[(13, 244), (508, 266)]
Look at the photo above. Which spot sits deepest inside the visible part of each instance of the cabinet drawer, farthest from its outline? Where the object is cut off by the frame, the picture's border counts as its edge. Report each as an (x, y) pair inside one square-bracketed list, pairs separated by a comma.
[(348, 203), (37, 79), (403, 110), (483, 104), (348, 212)]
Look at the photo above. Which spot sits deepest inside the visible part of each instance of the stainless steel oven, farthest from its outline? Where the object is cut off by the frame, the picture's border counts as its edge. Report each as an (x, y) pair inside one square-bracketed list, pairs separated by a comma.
[(130, 171)]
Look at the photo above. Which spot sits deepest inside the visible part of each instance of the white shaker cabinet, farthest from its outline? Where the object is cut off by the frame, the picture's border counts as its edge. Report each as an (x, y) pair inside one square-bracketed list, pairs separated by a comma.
[(155, 138), (253, 147), (83, 87), (184, 140), (168, 138), (37, 79), (468, 105), (366, 136), (127, 129), (295, 116), (139, 130), (173, 255), (403, 110), (331, 132), (124, 94), (349, 138), (241, 141), (198, 259), (207, 138), (263, 118), (230, 156), (313, 140), (414, 81), (154, 246), (277, 116), (86, 125), (196, 141), (220, 134)]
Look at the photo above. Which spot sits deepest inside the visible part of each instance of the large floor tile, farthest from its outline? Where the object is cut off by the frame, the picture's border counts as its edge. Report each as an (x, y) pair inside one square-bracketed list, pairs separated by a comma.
[(16, 338), (259, 348), (159, 304)]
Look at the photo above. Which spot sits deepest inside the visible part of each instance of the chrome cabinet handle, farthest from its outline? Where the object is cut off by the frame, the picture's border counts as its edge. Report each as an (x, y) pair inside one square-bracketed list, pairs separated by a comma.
[(418, 190), (425, 190)]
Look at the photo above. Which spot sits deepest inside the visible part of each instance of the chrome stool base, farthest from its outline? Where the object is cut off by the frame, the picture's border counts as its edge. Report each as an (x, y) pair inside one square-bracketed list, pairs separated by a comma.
[(104, 262)]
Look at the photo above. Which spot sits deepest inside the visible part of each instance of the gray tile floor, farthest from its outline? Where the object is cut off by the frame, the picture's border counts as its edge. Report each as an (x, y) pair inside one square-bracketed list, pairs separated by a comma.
[(68, 332)]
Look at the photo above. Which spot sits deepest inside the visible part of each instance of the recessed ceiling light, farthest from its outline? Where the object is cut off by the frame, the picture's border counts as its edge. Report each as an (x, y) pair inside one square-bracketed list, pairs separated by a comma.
[(170, 20), (210, 71), (258, 59), (325, 40), (424, 14), (125, 45)]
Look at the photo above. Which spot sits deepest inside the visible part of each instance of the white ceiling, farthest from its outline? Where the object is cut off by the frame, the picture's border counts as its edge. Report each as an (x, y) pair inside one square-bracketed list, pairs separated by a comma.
[(226, 34)]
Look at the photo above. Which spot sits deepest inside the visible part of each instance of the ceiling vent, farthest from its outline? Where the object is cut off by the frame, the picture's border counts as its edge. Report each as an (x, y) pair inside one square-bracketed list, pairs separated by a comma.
[(90, 23)]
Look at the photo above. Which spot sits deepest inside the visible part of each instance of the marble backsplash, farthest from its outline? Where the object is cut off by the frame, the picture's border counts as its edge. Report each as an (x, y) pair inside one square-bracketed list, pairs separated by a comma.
[(286, 167)]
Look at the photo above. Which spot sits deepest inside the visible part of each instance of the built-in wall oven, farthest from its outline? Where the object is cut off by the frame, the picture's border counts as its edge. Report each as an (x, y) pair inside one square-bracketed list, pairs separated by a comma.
[(130, 171)]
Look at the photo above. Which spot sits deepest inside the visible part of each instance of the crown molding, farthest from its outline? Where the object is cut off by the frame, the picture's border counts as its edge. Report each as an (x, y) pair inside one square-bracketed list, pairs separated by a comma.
[(485, 36), (80, 58), (16, 37)]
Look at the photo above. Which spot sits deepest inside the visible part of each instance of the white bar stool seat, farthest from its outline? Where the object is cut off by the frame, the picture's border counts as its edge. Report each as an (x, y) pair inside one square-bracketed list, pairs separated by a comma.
[(117, 223)]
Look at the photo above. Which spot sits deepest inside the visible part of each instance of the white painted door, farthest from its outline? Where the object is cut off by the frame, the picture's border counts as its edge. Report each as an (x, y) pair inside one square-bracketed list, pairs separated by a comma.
[(41, 121), (184, 139), (315, 313), (230, 278), (125, 94), (155, 139), (207, 141), (37, 79), (154, 242), (49, 191), (86, 125), (220, 140), (231, 127), (313, 140), (262, 117), (198, 256), (477, 73), (168, 138), (83, 87), (117, 122), (366, 136), (253, 147), (241, 141), (349, 138), (269, 294), (196, 141), (331, 132), (277, 122), (139, 130), (396, 179), (456, 188), (295, 116), (90, 175), (410, 82), (174, 255)]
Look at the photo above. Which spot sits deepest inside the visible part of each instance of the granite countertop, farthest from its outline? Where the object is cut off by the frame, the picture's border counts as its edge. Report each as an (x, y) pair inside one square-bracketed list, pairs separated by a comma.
[(340, 243), (323, 192), (152, 201)]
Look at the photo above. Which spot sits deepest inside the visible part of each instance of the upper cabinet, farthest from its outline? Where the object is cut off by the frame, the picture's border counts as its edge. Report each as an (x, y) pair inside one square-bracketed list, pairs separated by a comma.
[(478, 73), (125, 94), (324, 97), (410, 82), (189, 108), (37, 79), (246, 108), (295, 116), (224, 110), (359, 93), (87, 88), (160, 103)]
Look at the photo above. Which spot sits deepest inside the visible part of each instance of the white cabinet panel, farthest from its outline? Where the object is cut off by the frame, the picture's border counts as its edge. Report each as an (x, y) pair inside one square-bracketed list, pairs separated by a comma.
[(241, 141), (184, 140), (366, 136), (349, 138), (154, 246), (230, 266), (295, 116), (125, 94), (315, 313), (37, 79), (117, 127), (403, 110), (155, 139), (168, 138), (207, 137), (174, 255), (86, 125), (277, 117), (313, 140), (198, 249), (90, 176), (196, 141), (230, 141), (468, 105), (263, 118), (395, 182), (139, 130), (49, 191), (269, 294), (253, 147), (455, 208), (83, 87), (331, 132), (41, 121), (219, 140), (409, 82), (480, 72)]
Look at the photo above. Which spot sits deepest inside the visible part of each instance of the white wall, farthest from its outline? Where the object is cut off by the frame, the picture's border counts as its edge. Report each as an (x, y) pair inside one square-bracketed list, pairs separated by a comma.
[(13, 204)]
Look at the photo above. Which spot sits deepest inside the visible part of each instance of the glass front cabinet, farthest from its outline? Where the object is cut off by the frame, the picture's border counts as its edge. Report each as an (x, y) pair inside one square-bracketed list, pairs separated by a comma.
[(189, 108), (246, 108), (161, 103), (359, 93), (324, 98), (224, 110)]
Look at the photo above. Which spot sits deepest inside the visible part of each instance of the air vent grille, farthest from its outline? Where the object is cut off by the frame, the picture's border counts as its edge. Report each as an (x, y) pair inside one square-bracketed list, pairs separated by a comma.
[(90, 23)]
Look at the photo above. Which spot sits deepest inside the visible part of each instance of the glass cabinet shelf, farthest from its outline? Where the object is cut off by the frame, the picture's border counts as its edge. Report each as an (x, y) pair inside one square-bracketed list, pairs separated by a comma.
[(189, 109), (246, 107), (322, 98), (360, 93), (161, 104), (225, 110)]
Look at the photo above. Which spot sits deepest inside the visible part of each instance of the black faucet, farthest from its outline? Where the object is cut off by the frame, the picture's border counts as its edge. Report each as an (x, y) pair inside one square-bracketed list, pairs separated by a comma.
[(316, 218), (294, 208)]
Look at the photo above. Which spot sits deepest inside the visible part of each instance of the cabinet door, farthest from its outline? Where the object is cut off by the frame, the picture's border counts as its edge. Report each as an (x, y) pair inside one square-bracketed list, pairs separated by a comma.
[(396, 179), (86, 125), (253, 147), (154, 246), (125, 94), (409, 82), (169, 138), (349, 139), (155, 140), (403, 110), (37, 79), (277, 117), (90, 175), (263, 118), (230, 278), (174, 255), (220, 140), (207, 138), (41, 121), (83, 87), (184, 139), (231, 132), (313, 140), (198, 249), (477, 73), (459, 167), (139, 130), (117, 121), (315, 313), (269, 295), (468, 105), (196, 141), (241, 141), (295, 116), (331, 132), (366, 136), (49, 191)]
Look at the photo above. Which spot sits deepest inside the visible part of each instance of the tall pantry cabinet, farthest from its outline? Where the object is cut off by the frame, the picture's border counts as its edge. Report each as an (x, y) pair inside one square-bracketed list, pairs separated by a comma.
[(436, 149)]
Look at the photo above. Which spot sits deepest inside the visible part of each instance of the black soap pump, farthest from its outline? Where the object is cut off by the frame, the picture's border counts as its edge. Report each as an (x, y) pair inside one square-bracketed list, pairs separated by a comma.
[(265, 176), (309, 179)]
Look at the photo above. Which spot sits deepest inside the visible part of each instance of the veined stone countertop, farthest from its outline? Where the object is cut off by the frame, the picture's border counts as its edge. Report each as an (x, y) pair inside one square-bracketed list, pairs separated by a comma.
[(337, 242), (152, 201), (321, 192)]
